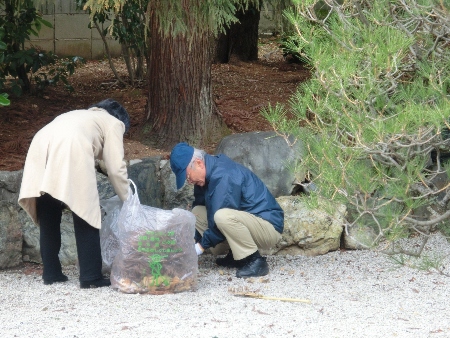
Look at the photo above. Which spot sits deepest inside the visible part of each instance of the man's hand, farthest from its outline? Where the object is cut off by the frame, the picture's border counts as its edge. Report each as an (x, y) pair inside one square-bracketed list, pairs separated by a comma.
[(199, 249)]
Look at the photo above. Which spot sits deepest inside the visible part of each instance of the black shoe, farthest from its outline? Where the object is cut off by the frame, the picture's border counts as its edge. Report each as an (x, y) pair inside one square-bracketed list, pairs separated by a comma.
[(96, 283), (254, 267), (229, 262), (62, 278)]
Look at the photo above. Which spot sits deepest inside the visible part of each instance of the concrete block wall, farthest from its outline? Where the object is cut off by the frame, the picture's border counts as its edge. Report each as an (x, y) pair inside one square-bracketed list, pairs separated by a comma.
[(70, 34), (267, 25)]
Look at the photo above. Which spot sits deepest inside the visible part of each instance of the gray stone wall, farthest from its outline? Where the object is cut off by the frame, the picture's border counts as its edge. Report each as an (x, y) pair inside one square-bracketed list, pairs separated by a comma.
[(307, 232)]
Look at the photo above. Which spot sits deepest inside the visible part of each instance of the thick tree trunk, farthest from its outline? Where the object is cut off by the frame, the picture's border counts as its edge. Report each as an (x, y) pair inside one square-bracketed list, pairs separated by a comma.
[(241, 38), (180, 106)]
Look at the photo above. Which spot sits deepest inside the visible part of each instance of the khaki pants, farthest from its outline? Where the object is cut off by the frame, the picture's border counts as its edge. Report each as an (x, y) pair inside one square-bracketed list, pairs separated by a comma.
[(245, 233)]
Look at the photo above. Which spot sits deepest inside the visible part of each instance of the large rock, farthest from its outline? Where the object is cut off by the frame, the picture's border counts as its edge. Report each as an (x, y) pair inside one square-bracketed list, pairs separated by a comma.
[(174, 198), (10, 236), (308, 232), (10, 226), (31, 247), (146, 175), (359, 237), (10, 186), (268, 155)]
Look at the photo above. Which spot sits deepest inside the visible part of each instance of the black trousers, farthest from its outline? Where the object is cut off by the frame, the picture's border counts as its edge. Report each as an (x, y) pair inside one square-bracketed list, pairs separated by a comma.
[(49, 213)]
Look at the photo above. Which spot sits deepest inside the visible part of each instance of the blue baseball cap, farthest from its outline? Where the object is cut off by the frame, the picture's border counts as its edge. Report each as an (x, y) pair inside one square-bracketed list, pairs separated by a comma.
[(180, 157)]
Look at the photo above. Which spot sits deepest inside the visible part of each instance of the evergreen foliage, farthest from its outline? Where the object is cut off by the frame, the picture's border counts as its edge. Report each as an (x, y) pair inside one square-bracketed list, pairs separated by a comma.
[(175, 17), (375, 113)]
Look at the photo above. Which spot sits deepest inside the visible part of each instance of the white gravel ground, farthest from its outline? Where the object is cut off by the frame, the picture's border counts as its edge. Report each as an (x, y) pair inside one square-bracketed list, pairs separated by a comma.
[(352, 294)]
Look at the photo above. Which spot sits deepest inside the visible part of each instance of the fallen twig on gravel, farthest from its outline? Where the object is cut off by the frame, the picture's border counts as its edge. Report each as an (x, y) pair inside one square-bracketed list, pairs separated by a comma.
[(245, 292)]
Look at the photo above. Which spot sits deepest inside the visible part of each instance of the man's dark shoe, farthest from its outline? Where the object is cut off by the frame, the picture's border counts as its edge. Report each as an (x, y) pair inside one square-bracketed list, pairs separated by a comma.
[(254, 267), (229, 262), (50, 281), (97, 283)]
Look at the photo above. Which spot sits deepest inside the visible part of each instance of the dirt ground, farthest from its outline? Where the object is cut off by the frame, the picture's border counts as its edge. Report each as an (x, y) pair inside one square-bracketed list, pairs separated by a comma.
[(240, 90)]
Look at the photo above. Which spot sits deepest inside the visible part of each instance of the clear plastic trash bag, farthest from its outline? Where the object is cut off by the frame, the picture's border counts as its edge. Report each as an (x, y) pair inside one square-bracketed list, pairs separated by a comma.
[(156, 252), (109, 241)]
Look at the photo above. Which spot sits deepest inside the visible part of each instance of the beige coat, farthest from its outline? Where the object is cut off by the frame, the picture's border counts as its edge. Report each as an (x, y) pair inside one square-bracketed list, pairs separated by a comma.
[(61, 162)]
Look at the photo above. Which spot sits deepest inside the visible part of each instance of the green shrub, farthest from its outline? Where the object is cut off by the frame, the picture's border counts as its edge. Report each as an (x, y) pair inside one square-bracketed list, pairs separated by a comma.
[(19, 66), (374, 111)]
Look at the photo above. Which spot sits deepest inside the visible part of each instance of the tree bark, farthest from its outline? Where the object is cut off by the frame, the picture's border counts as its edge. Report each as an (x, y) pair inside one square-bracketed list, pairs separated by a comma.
[(180, 106), (241, 38)]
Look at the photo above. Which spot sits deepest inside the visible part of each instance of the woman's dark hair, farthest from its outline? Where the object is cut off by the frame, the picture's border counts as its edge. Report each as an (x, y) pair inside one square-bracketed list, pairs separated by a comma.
[(115, 109)]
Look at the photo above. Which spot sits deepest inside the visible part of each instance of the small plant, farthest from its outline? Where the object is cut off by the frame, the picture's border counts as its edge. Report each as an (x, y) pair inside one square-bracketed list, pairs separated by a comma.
[(292, 49), (3, 96), (56, 70), (4, 100), (427, 262)]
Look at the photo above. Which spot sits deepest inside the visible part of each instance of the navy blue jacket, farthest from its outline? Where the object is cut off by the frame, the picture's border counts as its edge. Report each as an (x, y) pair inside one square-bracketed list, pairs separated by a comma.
[(231, 185)]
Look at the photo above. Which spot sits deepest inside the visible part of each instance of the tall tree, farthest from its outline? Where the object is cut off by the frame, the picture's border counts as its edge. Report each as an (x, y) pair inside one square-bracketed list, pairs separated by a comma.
[(180, 106)]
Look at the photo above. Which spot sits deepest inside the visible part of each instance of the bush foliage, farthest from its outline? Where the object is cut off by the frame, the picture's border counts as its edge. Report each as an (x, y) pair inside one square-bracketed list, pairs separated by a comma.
[(129, 26), (19, 65), (376, 111)]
